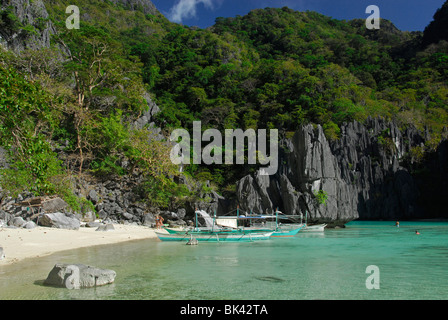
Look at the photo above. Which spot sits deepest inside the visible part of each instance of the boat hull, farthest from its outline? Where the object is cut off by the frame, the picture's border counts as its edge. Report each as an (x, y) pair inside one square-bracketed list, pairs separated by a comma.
[(316, 228), (286, 233), (278, 233), (214, 236), (283, 231)]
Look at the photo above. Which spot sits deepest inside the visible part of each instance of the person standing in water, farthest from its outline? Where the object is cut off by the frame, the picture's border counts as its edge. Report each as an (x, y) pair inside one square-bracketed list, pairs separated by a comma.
[(397, 224), (159, 222)]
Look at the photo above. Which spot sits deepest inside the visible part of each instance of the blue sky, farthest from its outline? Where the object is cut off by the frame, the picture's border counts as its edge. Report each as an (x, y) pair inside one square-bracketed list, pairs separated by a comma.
[(407, 15)]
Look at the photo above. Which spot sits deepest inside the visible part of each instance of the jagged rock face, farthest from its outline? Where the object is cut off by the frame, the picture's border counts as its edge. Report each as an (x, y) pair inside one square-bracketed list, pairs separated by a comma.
[(369, 157), (307, 165), (359, 175), (32, 14)]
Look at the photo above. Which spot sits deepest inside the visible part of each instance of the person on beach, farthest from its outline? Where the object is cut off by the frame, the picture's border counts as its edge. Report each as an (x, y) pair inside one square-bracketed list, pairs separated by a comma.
[(159, 222)]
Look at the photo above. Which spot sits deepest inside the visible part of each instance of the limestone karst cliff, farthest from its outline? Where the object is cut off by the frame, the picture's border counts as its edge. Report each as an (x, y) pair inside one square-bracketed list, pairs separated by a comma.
[(366, 175), (25, 24)]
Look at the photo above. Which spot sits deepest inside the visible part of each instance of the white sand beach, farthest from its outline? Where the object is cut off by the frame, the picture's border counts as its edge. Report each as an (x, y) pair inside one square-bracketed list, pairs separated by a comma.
[(19, 244)]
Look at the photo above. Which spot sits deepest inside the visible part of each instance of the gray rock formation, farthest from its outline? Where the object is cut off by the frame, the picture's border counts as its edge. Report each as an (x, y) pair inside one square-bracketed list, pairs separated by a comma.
[(59, 220), (3, 158), (192, 242), (17, 222), (36, 27), (146, 119), (358, 176), (34, 16), (29, 225), (93, 196), (77, 276), (305, 169), (149, 220), (93, 224), (2, 253), (4, 218), (54, 205), (370, 158), (106, 227)]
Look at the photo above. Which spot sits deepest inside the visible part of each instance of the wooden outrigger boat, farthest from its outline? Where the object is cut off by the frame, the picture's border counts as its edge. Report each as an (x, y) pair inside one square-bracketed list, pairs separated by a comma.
[(313, 228), (279, 230), (227, 228), (213, 233)]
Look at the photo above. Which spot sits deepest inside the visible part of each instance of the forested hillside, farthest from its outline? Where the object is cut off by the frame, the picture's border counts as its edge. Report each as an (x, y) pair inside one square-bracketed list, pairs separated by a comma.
[(273, 68), (278, 68)]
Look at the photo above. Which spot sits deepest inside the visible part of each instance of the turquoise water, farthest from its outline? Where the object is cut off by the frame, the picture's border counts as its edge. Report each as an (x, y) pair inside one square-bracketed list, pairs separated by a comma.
[(330, 266)]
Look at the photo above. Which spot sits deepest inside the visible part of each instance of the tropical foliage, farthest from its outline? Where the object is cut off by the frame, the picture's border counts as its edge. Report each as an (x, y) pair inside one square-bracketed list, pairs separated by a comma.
[(273, 68)]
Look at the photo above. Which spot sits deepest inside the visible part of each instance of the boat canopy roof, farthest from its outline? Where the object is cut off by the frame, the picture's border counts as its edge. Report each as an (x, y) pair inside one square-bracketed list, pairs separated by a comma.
[(256, 217), (279, 215)]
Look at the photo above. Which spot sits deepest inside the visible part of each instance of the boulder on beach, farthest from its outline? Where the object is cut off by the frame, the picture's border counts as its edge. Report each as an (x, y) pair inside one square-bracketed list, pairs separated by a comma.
[(59, 220), (88, 216), (54, 205), (78, 276), (29, 225), (17, 222), (93, 224), (106, 227)]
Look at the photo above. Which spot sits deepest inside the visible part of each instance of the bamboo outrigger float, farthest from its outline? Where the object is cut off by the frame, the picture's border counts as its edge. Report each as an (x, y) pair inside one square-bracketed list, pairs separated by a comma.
[(214, 236)]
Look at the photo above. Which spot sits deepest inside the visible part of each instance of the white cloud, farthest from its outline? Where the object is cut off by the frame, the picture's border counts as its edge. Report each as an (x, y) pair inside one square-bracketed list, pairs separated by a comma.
[(185, 9)]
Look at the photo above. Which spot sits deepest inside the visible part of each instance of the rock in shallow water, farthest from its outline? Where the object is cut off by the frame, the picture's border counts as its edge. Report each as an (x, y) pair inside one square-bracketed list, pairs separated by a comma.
[(192, 242), (77, 276)]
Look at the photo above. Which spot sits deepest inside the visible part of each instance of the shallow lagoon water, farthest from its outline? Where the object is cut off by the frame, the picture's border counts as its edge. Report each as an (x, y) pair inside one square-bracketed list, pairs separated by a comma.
[(328, 266)]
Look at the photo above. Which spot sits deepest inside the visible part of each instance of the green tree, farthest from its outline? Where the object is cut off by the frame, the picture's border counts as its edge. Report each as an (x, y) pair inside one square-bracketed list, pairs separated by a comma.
[(26, 117), (103, 78)]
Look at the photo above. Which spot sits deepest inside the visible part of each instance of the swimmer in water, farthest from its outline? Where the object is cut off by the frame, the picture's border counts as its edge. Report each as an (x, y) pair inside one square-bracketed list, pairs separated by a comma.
[(416, 232)]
